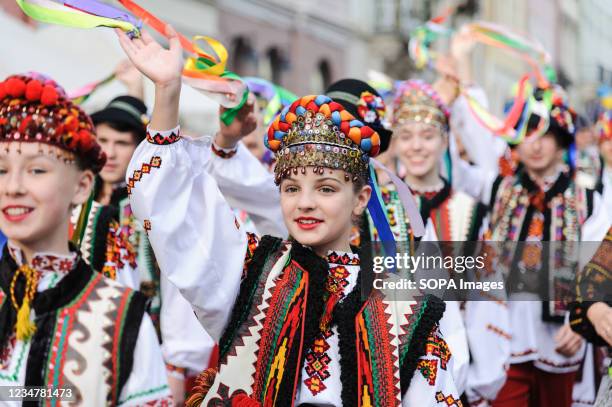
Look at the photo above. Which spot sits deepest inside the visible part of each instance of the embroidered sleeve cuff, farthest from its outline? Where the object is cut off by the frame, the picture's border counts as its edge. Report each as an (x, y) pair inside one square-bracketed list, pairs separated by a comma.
[(163, 137), (223, 152)]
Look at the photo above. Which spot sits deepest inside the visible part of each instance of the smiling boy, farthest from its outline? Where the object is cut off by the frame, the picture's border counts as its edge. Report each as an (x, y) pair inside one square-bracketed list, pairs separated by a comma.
[(61, 324)]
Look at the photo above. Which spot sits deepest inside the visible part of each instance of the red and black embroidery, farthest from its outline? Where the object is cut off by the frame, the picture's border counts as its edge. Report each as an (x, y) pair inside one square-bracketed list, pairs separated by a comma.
[(162, 140), (219, 152), (449, 400), (436, 346), (429, 370), (344, 259), (147, 225), (145, 169), (317, 359)]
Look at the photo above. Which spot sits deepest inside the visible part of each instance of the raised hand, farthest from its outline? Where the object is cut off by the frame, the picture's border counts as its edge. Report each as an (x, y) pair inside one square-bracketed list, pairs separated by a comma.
[(244, 123), (131, 78), (160, 65)]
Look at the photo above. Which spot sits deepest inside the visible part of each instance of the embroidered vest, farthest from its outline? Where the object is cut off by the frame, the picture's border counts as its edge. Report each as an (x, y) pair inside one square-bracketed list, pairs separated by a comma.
[(276, 319), (87, 327), (520, 211)]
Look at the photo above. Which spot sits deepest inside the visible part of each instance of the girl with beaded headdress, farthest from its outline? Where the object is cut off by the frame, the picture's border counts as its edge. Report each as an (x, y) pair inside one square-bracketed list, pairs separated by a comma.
[(63, 327), (420, 143), (291, 324)]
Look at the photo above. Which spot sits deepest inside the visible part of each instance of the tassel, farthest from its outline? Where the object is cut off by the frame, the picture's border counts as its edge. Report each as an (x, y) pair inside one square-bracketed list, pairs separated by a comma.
[(24, 327)]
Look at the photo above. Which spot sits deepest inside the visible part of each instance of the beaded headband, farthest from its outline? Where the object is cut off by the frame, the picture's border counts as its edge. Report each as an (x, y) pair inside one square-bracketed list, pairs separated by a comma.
[(417, 101), (35, 109), (604, 126), (315, 131)]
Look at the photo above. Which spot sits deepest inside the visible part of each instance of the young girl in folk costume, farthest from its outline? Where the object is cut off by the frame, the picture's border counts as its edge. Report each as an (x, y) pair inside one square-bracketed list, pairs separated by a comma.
[(420, 142), (539, 204), (62, 325), (291, 324)]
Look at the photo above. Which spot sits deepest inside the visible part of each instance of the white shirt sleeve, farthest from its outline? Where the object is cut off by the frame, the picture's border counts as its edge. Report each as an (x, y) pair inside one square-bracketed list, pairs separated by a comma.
[(147, 382), (185, 343), (192, 230), (246, 184)]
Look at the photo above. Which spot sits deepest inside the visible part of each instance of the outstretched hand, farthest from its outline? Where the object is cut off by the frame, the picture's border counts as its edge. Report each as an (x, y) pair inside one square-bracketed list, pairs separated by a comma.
[(160, 65)]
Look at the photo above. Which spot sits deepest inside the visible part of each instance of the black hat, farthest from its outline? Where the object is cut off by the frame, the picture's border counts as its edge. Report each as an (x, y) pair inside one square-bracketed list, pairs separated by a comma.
[(363, 102), (561, 118), (126, 111)]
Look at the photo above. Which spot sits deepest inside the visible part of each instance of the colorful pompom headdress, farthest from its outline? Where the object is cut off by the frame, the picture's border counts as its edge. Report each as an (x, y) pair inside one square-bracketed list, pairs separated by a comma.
[(34, 108), (314, 131), (604, 126), (417, 101)]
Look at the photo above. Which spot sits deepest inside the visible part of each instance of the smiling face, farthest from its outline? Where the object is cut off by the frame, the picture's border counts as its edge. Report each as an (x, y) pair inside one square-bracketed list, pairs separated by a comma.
[(37, 191), (540, 155), (318, 209), (419, 147), (119, 147)]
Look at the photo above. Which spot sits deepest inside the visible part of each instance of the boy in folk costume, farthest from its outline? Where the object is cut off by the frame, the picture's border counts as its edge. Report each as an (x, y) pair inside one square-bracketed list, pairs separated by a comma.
[(62, 324), (289, 318), (540, 203)]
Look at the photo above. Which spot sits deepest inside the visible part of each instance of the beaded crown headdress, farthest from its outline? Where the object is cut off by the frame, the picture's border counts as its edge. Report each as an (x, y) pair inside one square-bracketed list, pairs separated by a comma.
[(34, 108), (417, 101), (315, 131)]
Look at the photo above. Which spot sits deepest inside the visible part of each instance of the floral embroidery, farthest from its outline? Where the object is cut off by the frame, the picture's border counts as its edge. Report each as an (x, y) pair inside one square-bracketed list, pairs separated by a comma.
[(219, 152), (162, 140), (436, 346), (145, 169), (147, 225), (449, 400), (429, 370), (7, 351)]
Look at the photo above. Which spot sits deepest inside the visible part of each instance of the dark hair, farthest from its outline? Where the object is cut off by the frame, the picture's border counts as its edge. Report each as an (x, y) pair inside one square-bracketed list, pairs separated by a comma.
[(138, 134)]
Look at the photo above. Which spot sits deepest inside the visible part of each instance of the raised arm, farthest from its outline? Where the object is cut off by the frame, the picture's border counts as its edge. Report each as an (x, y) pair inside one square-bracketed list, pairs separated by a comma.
[(192, 229)]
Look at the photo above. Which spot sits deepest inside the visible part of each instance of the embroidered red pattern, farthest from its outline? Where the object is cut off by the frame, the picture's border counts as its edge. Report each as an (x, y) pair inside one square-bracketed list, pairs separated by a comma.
[(429, 370), (222, 153), (436, 346), (449, 400), (144, 169), (317, 358), (161, 140)]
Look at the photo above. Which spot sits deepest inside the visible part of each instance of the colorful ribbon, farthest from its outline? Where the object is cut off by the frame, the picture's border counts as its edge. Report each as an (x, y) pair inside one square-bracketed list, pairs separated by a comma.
[(79, 96), (202, 71), (51, 12), (276, 96), (514, 126)]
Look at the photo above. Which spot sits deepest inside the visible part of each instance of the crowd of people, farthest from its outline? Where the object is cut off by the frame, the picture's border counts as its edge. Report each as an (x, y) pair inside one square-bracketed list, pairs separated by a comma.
[(145, 266)]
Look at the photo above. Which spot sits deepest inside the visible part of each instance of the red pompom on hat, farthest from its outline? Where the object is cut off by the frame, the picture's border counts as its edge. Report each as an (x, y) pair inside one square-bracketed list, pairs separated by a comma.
[(33, 90), (49, 96), (15, 87), (35, 109)]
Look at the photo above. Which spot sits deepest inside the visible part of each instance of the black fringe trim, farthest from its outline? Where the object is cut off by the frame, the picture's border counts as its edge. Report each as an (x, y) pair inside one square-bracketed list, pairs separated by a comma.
[(480, 213), (104, 217), (344, 314), (131, 327), (318, 270), (244, 301), (416, 348)]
